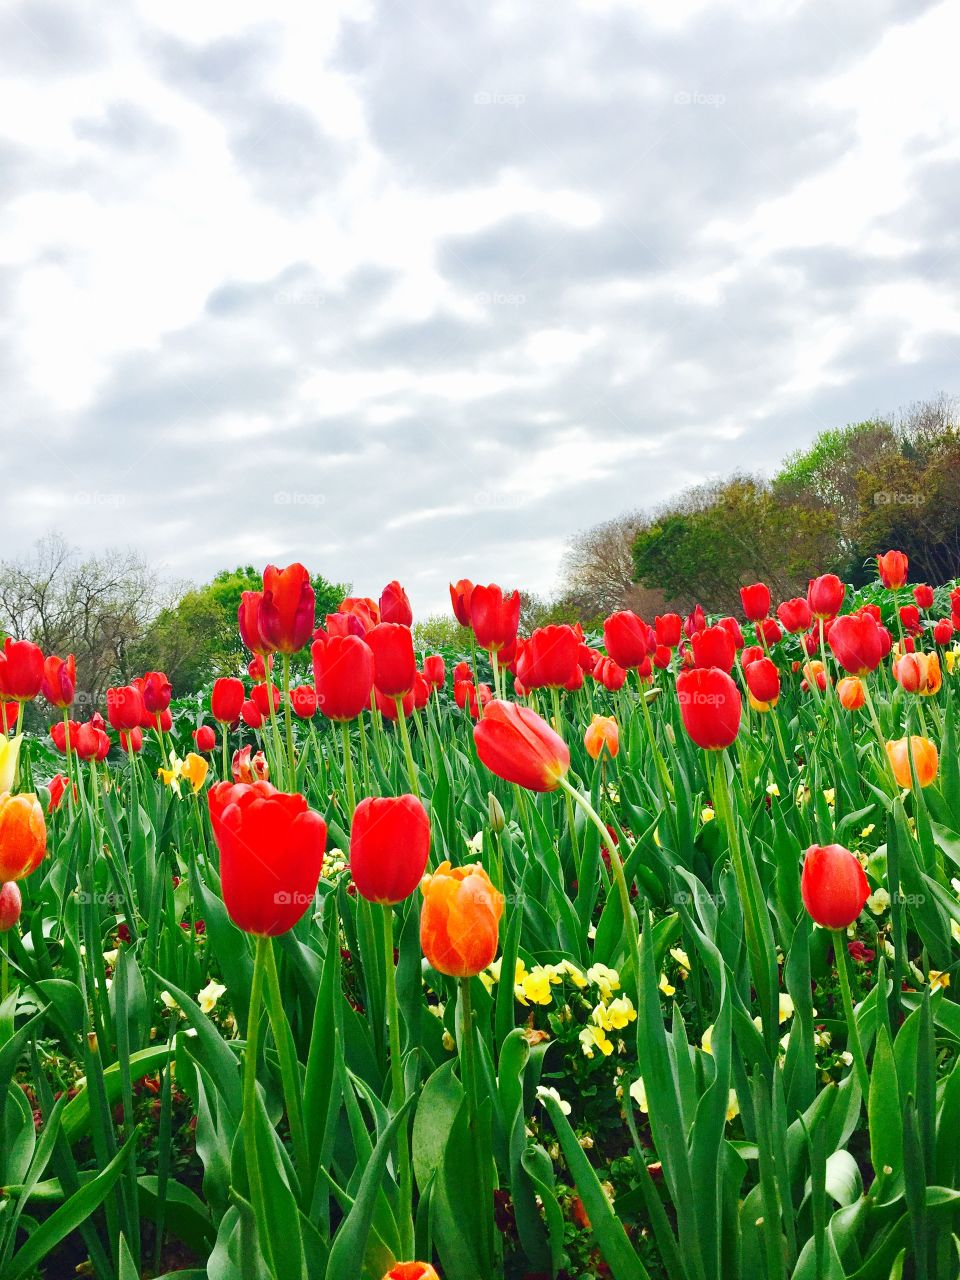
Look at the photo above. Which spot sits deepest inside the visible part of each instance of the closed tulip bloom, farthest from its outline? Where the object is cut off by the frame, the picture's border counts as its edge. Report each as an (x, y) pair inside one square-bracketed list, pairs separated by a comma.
[(250, 714), (9, 714), (833, 885), (132, 741), (732, 628), (517, 745), (262, 698), (460, 593), (124, 707), (626, 638), (156, 691), (825, 595), (342, 624), (434, 671), (248, 620), (910, 619), (226, 698), (893, 568), (343, 676), (23, 836), (462, 671), (926, 760), (460, 920), (64, 735), (59, 685), (710, 707), (550, 658), (695, 620), (756, 601), (303, 701), (21, 670), (763, 681), (668, 628), (814, 672), (923, 595), (602, 734), (857, 643), (271, 852), (365, 610), (494, 617), (943, 631), (794, 615), (587, 658), (11, 904), (465, 696), (56, 789), (259, 665), (751, 653), (714, 647), (768, 631), (851, 693), (287, 613), (389, 847), (411, 1271), (205, 738), (918, 673), (662, 656), (395, 605), (421, 692), (955, 606), (394, 662), (391, 708)]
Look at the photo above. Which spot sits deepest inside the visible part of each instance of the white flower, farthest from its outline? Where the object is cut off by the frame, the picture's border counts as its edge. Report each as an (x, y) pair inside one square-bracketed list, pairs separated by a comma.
[(639, 1094), (168, 1000), (878, 901), (208, 997), (543, 1093), (476, 844), (786, 1007)]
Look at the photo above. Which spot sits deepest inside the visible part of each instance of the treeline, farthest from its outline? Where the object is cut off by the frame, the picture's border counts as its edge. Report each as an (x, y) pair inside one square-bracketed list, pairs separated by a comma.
[(858, 490)]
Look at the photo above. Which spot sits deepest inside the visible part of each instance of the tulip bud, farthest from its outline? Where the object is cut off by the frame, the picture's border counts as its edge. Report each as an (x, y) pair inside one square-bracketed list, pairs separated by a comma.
[(496, 818), (11, 904), (833, 885)]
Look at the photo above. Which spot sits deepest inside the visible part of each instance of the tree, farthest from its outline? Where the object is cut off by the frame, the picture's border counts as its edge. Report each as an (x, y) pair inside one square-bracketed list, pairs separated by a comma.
[(598, 568)]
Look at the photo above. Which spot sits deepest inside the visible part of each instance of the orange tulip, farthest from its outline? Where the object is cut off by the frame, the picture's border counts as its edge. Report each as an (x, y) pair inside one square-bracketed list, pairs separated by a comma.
[(411, 1271), (23, 836), (602, 732), (925, 760), (851, 693), (918, 673), (893, 568), (460, 921)]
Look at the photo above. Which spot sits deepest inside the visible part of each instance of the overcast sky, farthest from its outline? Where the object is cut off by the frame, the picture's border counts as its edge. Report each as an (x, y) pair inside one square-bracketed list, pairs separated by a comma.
[(416, 288)]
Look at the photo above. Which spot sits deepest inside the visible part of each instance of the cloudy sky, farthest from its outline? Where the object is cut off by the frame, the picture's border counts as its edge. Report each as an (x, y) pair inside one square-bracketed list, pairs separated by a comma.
[(417, 289)]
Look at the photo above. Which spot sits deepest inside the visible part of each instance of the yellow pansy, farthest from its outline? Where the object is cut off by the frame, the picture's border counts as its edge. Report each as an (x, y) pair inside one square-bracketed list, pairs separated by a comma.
[(593, 1038), (608, 980), (666, 987), (938, 979), (682, 959), (867, 830), (773, 789), (208, 997), (785, 1007), (733, 1105), (570, 970), (706, 1040), (536, 985), (830, 795), (616, 1015), (707, 814), (171, 777)]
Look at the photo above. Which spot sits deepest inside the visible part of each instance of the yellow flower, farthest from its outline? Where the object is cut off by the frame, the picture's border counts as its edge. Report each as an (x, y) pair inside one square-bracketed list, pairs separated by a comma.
[(639, 1094), (707, 815), (448, 1042), (543, 1092), (208, 997), (171, 777), (878, 901), (706, 1040), (867, 830), (575, 975), (194, 770), (608, 980), (615, 1015), (830, 795), (938, 979), (593, 1038), (733, 1106), (786, 1007), (666, 987), (536, 985), (9, 752), (773, 789), (682, 959)]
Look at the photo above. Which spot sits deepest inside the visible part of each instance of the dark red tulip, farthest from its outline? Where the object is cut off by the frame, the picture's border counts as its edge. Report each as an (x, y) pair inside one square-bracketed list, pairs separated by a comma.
[(226, 698), (668, 628), (389, 847), (494, 617), (365, 610), (303, 701), (343, 676), (124, 707), (518, 746), (833, 885), (434, 671), (550, 658), (460, 593), (825, 595), (763, 680), (205, 738), (59, 685), (794, 615), (893, 568), (710, 706), (395, 605), (923, 595), (394, 662), (714, 647), (21, 670), (271, 853), (156, 691), (287, 609), (627, 638), (857, 643), (250, 715), (248, 620), (756, 601)]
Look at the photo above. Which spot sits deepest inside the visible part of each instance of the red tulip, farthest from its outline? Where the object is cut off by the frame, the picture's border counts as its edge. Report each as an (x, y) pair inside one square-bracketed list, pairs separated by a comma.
[(794, 615), (714, 647), (434, 671), (763, 681), (156, 691), (249, 767), (262, 699), (23, 836), (668, 628), (11, 904), (517, 745), (627, 638), (768, 631), (342, 624), (394, 662), (9, 713), (756, 601), (64, 734), (248, 620), (550, 658), (343, 676), (411, 1271), (710, 706), (752, 653), (124, 707), (226, 698), (259, 665), (833, 885), (395, 605), (271, 852), (825, 595), (857, 643), (695, 620), (662, 656), (59, 684), (923, 596), (732, 628), (587, 658), (893, 568), (910, 619), (56, 788), (303, 701), (250, 714), (21, 670), (205, 738), (388, 706), (460, 593), (421, 692), (389, 847), (465, 696), (494, 617), (365, 610), (287, 610), (462, 671), (943, 631), (133, 741), (89, 742)]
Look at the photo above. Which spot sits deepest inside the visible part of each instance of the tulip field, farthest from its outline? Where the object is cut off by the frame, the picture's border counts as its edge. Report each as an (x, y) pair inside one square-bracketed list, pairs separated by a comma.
[(624, 951)]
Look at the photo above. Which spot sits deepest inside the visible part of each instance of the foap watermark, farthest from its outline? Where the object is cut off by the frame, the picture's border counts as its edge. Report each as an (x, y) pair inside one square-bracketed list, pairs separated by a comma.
[(891, 498), (299, 298), (500, 298), (695, 98), (491, 500), (486, 98), (298, 498), (95, 498)]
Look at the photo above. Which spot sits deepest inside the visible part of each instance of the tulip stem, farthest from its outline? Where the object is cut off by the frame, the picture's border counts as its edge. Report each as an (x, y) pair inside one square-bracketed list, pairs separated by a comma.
[(398, 1090), (68, 743), (288, 720), (274, 726), (407, 749), (658, 757), (348, 766), (853, 1032), (468, 1062), (286, 1052), (495, 668), (254, 1180), (223, 752), (875, 721), (571, 812)]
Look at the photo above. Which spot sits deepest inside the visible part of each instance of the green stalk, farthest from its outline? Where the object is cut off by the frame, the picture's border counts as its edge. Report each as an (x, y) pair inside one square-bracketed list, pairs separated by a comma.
[(289, 1070), (571, 813), (853, 1037), (468, 1062), (407, 749), (255, 1182), (288, 720), (658, 758), (272, 711), (398, 1089), (348, 766), (223, 752)]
